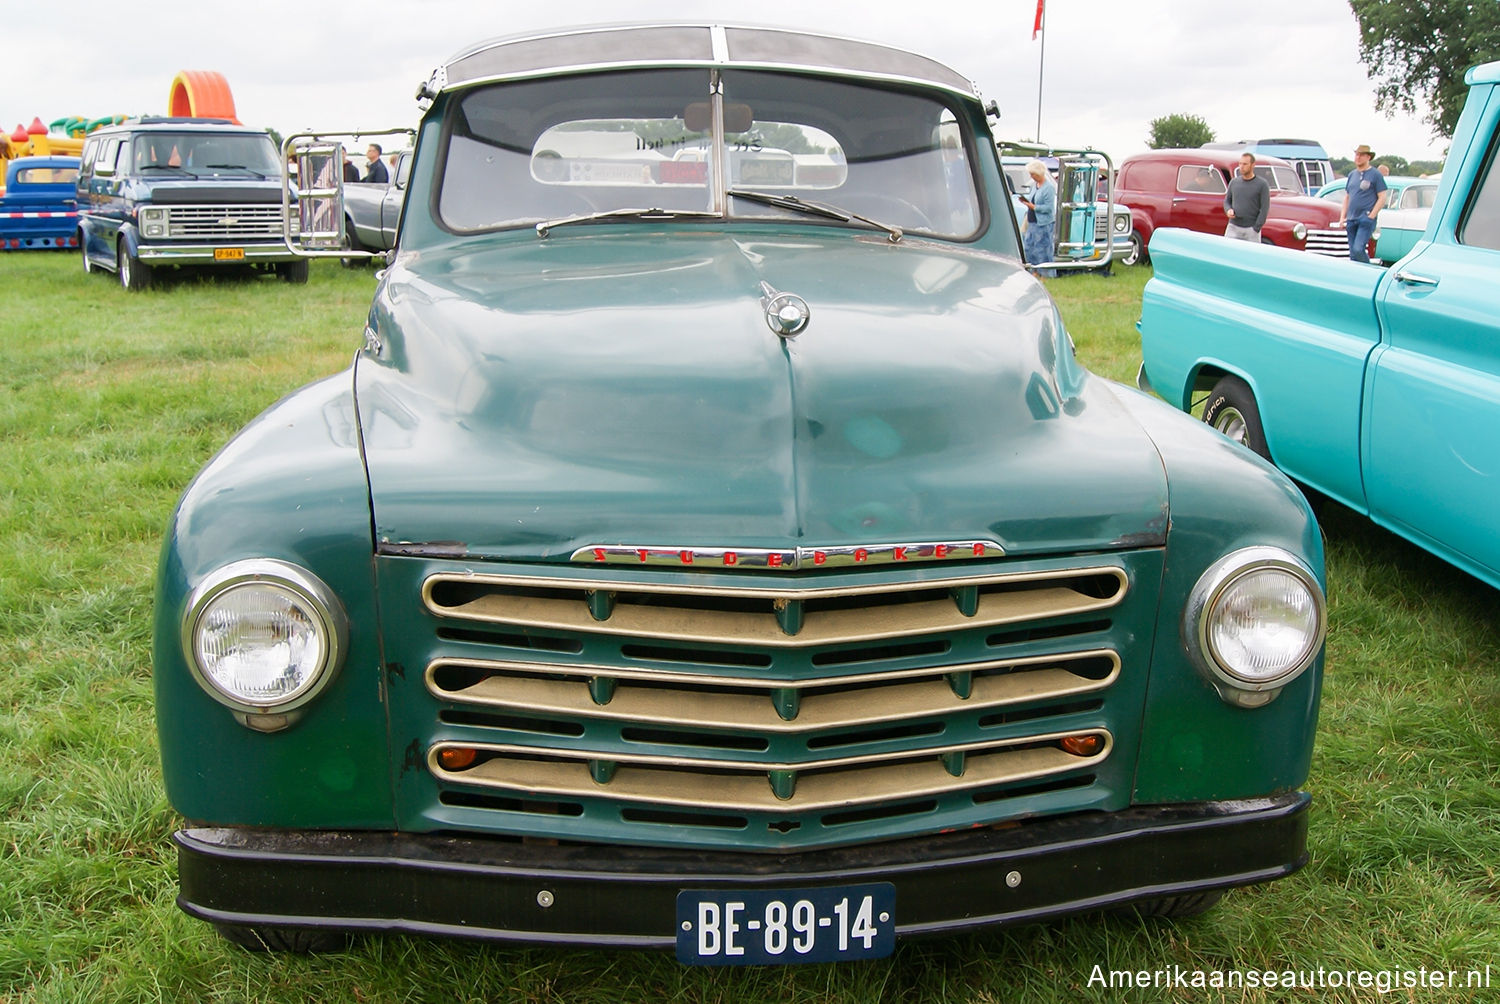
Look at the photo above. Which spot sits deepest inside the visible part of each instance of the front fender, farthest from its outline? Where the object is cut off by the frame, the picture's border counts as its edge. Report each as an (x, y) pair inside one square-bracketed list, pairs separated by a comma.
[(1223, 498), (128, 239), (291, 486)]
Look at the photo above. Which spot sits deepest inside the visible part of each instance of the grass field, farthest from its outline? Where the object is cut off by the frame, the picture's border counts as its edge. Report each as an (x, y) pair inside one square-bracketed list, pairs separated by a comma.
[(109, 403)]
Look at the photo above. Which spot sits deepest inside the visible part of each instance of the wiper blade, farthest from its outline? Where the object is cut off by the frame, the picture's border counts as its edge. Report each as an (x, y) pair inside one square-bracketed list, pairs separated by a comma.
[(814, 209), (234, 167), (654, 213), (164, 167)]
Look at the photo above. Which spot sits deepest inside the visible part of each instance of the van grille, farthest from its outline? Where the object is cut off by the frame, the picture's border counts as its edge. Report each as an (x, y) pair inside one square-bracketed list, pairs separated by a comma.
[(234, 222), (683, 708)]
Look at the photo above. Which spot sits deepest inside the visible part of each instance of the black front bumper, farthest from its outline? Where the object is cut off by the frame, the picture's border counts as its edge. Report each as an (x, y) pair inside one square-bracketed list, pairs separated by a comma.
[(627, 895)]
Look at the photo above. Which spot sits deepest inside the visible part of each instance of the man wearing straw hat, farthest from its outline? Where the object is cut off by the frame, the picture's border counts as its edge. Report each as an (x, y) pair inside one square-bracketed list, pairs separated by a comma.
[(1364, 197)]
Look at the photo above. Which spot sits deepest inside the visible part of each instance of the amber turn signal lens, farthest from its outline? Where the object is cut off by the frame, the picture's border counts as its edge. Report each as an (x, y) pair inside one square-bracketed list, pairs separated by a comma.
[(457, 757), (1086, 745)]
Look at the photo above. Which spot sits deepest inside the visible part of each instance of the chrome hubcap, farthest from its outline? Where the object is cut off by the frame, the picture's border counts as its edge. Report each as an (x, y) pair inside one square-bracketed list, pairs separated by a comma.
[(1232, 424)]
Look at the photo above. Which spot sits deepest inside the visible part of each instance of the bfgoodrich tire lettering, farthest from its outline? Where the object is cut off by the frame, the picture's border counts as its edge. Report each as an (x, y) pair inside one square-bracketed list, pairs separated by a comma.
[(1232, 410)]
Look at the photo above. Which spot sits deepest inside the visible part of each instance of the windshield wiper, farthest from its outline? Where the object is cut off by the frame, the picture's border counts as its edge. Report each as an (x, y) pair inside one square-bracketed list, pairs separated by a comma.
[(234, 167), (654, 213), (165, 167), (814, 209)]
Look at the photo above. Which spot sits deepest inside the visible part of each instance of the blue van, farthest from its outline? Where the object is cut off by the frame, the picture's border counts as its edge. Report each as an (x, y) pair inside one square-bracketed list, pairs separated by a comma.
[(158, 192)]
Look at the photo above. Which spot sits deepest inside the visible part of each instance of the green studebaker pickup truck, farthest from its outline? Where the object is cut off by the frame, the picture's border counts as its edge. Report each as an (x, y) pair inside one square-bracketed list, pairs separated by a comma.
[(716, 545)]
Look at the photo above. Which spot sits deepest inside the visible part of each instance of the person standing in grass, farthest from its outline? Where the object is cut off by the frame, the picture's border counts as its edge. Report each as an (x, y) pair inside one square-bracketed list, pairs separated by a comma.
[(1041, 220), (1364, 198), (1247, 203)]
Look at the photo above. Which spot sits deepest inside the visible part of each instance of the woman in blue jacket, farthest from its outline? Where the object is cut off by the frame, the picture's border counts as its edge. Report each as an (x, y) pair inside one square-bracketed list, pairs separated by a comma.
[(1041, 219)]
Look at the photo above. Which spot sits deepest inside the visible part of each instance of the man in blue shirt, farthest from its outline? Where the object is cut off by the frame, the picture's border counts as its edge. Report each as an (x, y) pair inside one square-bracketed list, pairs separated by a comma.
[(1364, 197)]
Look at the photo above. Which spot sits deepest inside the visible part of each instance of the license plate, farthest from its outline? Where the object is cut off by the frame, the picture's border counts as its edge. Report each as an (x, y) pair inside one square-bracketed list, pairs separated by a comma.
[(717, 927), (229, 254)]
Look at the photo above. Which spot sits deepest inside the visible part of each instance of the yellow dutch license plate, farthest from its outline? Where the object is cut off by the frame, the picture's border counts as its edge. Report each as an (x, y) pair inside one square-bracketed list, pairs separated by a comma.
[(229, 254)]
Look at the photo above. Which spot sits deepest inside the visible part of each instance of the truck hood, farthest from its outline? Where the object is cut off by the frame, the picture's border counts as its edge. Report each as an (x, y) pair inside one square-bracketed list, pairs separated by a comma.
[(524, 400)]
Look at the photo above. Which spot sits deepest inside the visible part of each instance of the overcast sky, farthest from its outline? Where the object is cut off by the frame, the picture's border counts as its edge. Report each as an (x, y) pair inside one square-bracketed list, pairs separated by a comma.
[(1251, 70)]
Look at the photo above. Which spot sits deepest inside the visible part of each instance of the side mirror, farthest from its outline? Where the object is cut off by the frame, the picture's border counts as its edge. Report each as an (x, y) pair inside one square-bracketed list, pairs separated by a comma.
[(320, 196), (312, 206)]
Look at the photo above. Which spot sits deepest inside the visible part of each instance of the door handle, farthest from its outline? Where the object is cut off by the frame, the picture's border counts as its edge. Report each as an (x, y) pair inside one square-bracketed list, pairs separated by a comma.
[(1415, 279)]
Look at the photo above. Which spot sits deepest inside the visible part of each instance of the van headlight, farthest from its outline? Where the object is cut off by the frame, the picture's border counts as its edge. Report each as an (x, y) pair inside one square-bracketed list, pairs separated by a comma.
[(154, 221), (263, 637), (1254, 622)]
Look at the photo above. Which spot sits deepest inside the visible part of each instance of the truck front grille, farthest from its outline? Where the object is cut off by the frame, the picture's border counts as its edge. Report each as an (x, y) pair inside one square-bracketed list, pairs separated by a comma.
[(242, 222), (1333, 243), (701, 709)]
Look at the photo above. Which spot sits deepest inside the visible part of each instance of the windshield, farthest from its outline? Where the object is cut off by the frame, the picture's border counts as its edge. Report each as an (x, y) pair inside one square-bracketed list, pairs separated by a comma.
[(537, 151), (205, 153), (1281, 179)]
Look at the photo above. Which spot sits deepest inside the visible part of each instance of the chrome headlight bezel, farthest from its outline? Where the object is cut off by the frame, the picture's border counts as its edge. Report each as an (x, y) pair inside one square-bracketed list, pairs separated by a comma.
[(1299, 231), (155, 221), (315, 599), (1203, 605)]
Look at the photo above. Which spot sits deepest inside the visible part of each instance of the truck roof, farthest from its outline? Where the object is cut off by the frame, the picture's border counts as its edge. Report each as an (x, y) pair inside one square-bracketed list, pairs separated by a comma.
[(1484, 73), (628, 46), (1225, 158), (163, 123), (1302, 149)]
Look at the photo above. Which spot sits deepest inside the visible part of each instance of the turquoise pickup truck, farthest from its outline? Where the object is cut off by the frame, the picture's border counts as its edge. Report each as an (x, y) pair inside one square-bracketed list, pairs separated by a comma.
[(1379, 388)]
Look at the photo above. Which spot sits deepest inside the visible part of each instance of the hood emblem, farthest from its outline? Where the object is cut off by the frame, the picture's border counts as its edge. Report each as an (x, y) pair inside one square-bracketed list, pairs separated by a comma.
[(786, 313), (789, 558)]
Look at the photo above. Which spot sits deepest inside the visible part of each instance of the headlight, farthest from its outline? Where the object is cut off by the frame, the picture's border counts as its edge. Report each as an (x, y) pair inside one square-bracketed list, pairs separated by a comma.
[(1254, 622), (1122, 224), (153, 221), (1299, 231), (263, 636)]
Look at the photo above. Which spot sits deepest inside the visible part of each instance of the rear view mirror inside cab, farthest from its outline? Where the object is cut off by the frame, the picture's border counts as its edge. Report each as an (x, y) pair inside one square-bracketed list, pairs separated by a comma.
[(698, 117)]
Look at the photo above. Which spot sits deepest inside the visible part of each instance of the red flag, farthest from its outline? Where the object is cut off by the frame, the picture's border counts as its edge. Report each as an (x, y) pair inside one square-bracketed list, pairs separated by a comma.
[(1038, 25)]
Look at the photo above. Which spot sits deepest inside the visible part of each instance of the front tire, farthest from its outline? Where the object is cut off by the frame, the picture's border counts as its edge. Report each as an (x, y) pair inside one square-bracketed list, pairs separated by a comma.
[(293, 271), (135, 275), (301, 940), (352, 243), (83, 250), (1189, 905), (1137, 252), (1232, 410)]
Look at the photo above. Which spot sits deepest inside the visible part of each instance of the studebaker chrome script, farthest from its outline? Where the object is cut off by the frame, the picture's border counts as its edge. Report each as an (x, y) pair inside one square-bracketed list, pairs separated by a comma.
[(788, 558)]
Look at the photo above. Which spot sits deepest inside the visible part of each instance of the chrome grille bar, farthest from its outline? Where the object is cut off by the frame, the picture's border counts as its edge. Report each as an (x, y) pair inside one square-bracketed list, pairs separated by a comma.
[(752, 787), (758, 616), (670, 699)]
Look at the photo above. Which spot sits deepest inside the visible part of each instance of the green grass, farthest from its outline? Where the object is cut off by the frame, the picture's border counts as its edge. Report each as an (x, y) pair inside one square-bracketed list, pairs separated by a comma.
[(110, 402)]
